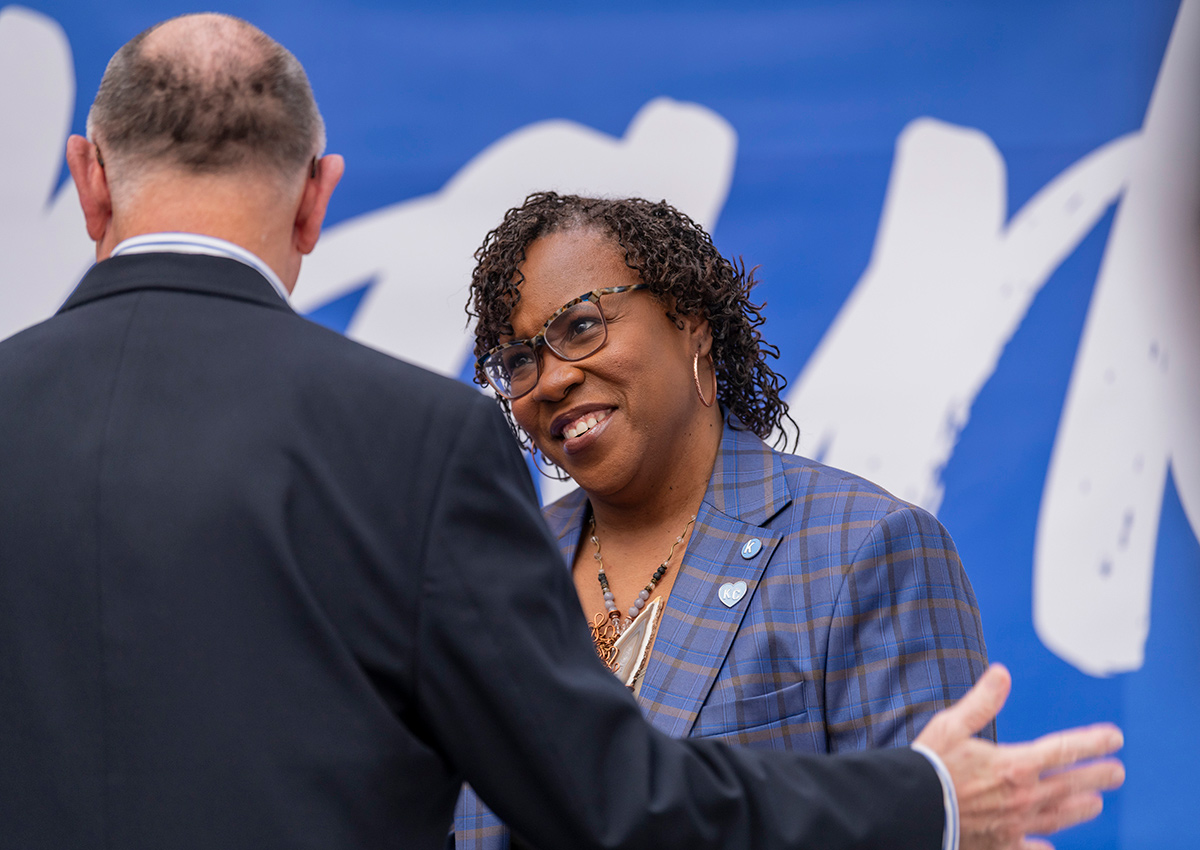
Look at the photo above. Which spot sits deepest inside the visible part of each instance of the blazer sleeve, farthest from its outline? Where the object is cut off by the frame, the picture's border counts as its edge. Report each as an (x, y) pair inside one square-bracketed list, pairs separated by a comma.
[(906, 639), (509, 688)]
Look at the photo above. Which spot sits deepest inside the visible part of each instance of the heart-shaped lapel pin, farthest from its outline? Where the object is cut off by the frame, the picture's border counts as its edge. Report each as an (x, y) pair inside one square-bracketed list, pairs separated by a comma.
[(731, 592)]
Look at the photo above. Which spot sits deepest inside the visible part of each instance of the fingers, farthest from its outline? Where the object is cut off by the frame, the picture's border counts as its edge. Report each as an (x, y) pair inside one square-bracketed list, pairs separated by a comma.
[(1085, 781), (1062, 749), (1073, 810), (980, 705), (1093, 776), (1073, 797)]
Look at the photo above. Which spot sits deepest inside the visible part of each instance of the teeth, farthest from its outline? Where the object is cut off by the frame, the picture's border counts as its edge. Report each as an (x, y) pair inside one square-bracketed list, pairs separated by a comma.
[(584, 424)]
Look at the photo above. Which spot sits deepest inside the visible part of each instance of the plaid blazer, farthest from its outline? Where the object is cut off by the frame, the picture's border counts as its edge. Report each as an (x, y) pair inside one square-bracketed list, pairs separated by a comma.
[(856, 625)]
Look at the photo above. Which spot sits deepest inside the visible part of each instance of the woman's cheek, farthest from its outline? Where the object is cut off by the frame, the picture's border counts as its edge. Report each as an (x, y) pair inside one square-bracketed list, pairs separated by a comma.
[(527, 422)]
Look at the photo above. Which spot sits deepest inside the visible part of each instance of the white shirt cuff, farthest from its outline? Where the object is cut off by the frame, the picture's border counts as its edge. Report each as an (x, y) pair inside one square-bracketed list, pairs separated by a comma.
[(949, 798)]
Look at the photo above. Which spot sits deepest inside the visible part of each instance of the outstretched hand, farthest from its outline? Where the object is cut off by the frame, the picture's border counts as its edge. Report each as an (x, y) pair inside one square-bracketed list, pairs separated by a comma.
[(1007, 792)]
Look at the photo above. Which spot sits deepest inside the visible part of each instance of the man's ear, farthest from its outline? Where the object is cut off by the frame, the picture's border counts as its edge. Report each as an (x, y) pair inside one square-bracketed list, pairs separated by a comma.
[(91, 182), (318, 188)]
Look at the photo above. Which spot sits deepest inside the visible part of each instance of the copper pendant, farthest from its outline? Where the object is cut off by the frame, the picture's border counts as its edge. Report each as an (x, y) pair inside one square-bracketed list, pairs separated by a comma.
[(604, 635)]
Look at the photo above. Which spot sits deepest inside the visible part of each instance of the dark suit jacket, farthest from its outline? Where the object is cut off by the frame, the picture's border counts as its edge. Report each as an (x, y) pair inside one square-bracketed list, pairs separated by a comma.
[(263, 587)]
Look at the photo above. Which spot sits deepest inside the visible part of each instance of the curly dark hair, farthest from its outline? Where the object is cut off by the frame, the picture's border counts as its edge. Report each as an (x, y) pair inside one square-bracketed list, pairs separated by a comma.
[(684, 270)]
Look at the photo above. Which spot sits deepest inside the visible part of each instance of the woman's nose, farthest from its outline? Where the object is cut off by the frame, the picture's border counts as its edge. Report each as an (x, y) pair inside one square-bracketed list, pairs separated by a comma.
[(557, 378)]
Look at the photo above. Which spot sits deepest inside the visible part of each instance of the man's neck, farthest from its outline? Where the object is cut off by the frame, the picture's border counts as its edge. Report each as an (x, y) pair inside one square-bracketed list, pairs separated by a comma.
[(254, 218)]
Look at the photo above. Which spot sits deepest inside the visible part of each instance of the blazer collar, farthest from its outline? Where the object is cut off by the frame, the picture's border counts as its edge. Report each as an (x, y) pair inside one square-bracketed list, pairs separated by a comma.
[(747, 488), (196, 273), (747, 484), (747, 480)]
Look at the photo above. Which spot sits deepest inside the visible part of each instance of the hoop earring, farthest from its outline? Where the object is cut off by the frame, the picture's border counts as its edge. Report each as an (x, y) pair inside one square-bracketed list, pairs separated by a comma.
[(696, 375)]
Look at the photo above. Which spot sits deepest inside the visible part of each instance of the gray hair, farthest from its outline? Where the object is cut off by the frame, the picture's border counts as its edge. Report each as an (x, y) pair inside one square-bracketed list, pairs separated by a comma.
[(233, 98)]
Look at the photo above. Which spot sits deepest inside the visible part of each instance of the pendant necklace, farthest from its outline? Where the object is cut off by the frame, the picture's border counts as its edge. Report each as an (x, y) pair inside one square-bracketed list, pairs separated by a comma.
[(607, 627)]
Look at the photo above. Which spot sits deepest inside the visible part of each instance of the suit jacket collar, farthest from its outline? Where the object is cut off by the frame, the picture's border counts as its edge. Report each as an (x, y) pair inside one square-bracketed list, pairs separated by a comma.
[(197, 273), (747, 488)]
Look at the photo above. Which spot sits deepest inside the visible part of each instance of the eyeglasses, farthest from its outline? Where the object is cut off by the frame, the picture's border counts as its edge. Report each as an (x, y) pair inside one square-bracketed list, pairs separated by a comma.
[(575, 331)]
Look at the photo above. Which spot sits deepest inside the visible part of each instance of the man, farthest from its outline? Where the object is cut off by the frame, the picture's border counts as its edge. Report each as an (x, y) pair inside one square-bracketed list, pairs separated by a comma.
[(263, 587)]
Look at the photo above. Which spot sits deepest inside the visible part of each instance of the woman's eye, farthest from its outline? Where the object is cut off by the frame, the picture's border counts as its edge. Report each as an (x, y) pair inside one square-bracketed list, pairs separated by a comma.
[(518, 360), (583, 325)]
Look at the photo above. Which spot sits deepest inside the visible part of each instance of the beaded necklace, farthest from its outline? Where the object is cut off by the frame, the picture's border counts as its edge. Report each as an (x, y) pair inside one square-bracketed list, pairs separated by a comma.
[(605, 634)]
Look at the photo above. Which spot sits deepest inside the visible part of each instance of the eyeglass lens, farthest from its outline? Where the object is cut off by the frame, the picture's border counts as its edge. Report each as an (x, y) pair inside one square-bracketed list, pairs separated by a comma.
[(573, 334)]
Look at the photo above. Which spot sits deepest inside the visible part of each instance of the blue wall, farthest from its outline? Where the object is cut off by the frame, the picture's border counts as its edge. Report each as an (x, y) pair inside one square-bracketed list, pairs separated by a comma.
[(818, 94)]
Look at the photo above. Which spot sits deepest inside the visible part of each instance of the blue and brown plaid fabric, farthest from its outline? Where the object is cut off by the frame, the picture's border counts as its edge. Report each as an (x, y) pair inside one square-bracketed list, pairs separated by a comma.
[(858, 622)]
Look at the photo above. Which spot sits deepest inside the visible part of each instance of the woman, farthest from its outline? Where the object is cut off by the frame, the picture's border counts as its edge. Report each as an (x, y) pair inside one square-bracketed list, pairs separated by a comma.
[(801, 607)]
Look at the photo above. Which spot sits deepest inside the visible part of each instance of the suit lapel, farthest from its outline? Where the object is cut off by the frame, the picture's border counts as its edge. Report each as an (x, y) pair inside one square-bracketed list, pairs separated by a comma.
[(747, 488)]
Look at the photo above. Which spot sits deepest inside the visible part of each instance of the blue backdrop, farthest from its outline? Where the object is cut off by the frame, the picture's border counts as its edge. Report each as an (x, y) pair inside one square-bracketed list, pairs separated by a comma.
[(818, 95)]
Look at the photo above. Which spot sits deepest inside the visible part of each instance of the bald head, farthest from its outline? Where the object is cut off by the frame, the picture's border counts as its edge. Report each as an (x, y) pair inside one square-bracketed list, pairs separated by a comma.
[(207, 95), (203, 124)]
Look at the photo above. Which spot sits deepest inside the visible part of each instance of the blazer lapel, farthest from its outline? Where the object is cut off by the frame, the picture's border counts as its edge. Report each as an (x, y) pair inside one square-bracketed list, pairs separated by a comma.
[(747, 488)]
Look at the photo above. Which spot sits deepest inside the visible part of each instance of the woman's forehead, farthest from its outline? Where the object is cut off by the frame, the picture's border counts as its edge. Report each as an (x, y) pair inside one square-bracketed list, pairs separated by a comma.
[(561, 266)]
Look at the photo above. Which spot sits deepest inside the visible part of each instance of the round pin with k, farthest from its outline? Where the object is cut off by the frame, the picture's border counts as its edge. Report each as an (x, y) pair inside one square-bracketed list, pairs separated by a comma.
[(753, 547)]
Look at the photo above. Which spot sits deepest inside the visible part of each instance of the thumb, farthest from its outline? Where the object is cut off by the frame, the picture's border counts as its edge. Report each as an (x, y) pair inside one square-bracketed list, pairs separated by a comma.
[(980, 705)]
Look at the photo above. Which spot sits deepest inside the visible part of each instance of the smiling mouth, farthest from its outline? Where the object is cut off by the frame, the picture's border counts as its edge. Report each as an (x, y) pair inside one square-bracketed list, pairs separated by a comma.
[(584, 423)]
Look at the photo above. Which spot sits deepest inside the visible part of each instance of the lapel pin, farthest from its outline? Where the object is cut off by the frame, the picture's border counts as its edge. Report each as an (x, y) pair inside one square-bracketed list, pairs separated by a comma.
[(731, 592), (753, 547)]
